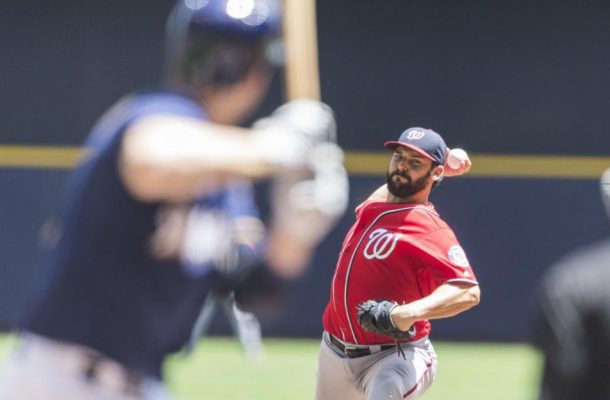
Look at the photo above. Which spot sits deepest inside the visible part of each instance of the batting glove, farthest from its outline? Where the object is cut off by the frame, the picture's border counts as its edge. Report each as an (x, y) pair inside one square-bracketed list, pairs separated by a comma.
[(311, 205), (286, 137)]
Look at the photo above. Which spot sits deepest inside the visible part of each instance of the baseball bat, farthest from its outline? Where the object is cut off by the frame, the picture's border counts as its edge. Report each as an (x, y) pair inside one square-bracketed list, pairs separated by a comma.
[(302, 79)]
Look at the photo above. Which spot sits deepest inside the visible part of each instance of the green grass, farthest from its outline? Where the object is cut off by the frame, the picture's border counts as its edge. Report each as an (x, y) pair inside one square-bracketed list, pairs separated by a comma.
[(219, 371), (485, 371)]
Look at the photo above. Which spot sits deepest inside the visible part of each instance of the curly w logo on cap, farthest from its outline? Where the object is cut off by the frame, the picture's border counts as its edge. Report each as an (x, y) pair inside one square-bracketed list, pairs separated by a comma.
[(416, 134)]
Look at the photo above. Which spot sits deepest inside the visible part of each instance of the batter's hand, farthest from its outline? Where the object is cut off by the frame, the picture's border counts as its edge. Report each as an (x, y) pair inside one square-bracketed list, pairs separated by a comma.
[(306, 206), (286, 138), (374, 316), (459, 164), (313, 119)]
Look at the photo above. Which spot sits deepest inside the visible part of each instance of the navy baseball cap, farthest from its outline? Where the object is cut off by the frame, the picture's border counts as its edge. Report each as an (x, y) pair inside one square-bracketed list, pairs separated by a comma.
[(425, 141)]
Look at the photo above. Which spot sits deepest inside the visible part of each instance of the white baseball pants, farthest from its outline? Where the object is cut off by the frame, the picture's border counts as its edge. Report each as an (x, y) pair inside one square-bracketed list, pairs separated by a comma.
[(42, 369), (382, 375)]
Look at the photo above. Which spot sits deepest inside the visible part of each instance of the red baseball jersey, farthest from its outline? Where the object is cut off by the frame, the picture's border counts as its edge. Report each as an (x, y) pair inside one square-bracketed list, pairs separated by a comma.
[(398, 252)]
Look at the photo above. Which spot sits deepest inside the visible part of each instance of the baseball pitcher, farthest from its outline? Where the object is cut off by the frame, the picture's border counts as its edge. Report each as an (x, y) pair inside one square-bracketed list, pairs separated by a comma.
[(400, 266)]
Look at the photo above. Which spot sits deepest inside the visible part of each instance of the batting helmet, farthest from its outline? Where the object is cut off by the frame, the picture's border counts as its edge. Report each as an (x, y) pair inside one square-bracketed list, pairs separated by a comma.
[(216, 42)]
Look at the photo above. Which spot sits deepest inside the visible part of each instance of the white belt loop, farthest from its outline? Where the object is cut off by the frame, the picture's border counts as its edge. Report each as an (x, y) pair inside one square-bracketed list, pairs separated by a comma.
[(375, 348)]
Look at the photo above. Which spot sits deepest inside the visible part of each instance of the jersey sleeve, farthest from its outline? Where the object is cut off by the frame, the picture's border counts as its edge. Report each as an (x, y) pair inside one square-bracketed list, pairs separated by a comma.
[(444, 259), (134, 107), (104, 142)]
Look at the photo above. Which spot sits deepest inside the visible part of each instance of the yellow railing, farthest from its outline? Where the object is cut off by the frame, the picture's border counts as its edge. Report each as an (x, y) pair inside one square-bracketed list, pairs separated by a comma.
[(358, 162)]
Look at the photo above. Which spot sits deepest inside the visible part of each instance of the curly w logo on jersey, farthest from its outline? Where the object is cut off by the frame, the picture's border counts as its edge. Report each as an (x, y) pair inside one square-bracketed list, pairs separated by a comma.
[(381, 244)]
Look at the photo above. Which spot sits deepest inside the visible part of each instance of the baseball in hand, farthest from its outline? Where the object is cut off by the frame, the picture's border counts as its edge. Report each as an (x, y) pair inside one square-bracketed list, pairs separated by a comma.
[(456, 158)]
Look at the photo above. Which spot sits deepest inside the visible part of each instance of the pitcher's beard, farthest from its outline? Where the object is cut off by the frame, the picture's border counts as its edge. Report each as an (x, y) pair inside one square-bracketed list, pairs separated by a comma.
[(408, 188)]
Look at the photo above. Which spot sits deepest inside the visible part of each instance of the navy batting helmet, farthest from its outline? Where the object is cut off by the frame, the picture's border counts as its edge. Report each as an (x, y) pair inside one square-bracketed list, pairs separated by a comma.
[(216, 42)]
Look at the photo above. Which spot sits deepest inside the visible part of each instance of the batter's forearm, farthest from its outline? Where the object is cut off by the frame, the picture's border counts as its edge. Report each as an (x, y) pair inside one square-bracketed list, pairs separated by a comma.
[(201, 156), (287, 256)]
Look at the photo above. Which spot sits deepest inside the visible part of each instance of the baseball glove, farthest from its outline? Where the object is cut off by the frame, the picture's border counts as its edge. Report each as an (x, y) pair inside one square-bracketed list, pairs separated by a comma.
[(374, 316)]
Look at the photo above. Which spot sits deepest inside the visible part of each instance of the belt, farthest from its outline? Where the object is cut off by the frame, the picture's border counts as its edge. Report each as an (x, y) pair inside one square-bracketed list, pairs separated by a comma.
[(358, 351)]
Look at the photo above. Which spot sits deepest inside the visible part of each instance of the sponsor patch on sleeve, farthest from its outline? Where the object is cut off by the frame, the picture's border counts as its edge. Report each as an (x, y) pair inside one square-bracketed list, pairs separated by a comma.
[(457, 256)]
